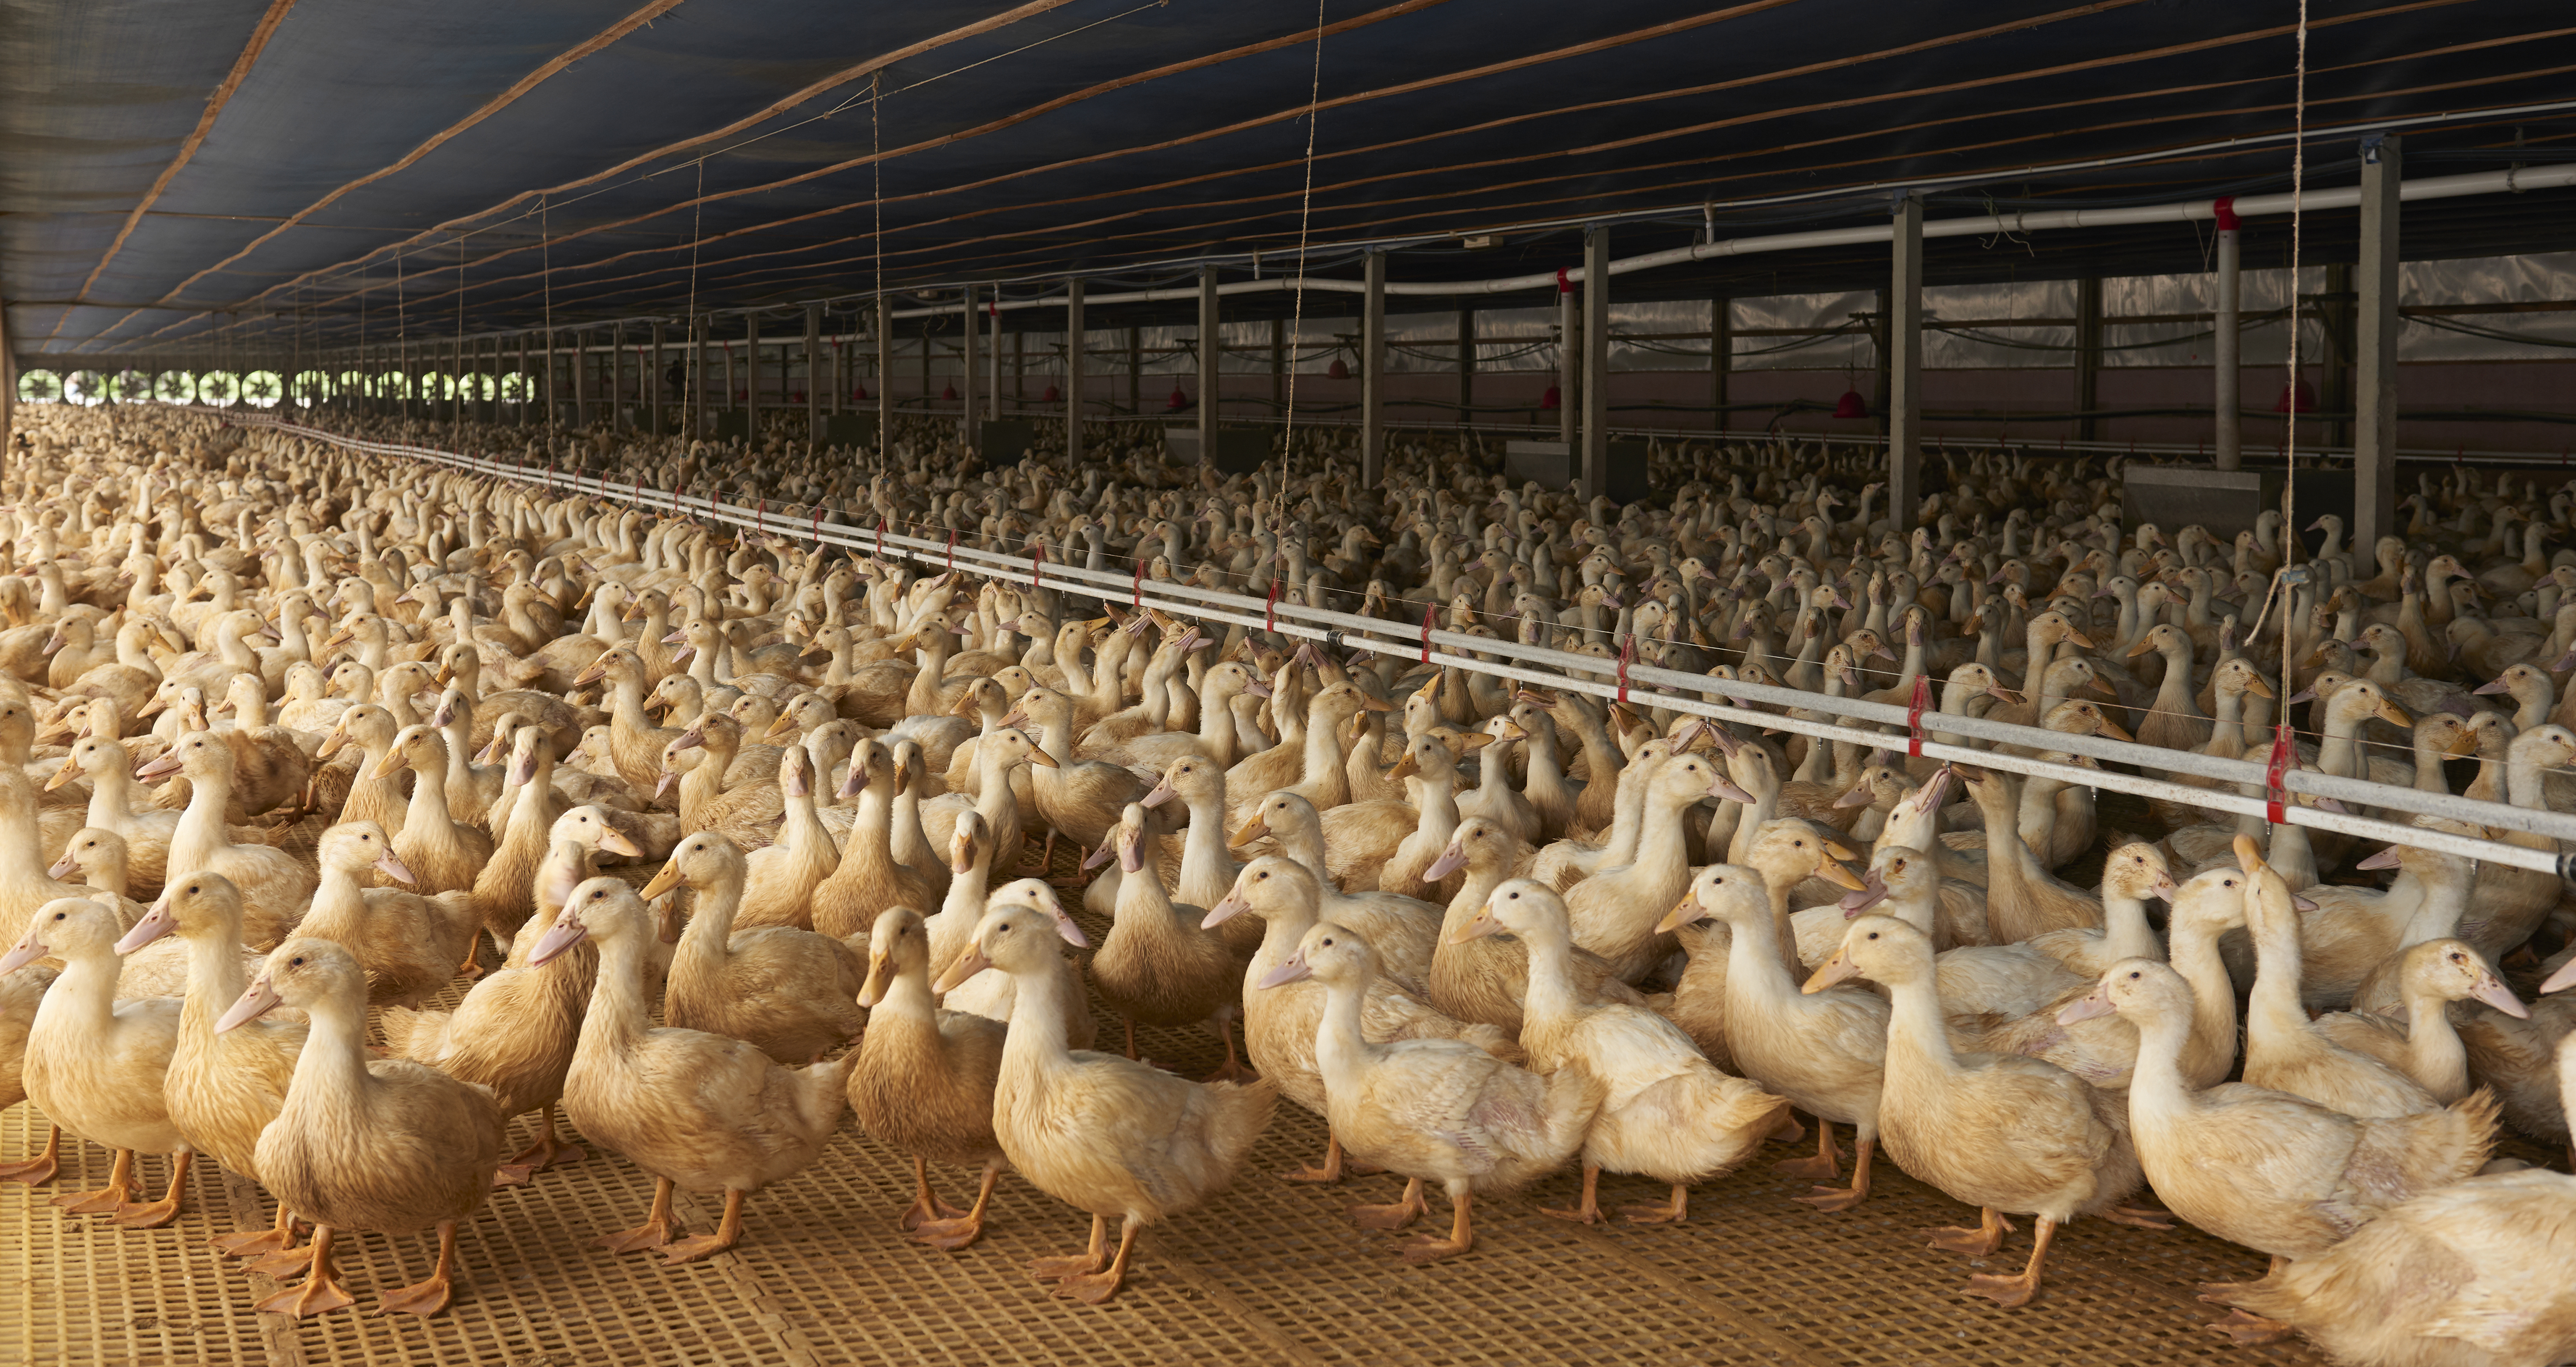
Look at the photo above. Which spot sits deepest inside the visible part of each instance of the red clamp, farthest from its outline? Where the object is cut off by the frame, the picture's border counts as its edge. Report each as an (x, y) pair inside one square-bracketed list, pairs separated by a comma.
[(639, 489), (817, 531), (1427, 613), (760, 518), (1138, 602), (952, 550), (880, 536), (2223, 209), (1269, 609), (1627, 652), (1914, 715), (1037, 566), (2274, 794), (1563, 285)]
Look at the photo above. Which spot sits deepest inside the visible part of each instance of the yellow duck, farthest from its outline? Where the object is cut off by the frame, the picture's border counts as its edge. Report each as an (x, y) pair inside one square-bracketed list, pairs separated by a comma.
[(1668, 1113), (923, 1083), (364, 1144), (791, 993), (1098, 1132)]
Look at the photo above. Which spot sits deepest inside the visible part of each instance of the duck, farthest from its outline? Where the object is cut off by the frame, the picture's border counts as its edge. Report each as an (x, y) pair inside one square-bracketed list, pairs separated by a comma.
[(222, 1088), (1158, 964), (2284, 1051), (1404, 930), (1825, 1050), (360, 1143), (2424, 1045), (697, 1110), (20, 993), (104, 761), (443, 853), (1614, 910), (2277, 1173), (1103, 1134), (1279, 1025), (1430, 1109), (1666, 1112), (1485, 978), (2008, 1134), (95, 1065), (410, 944), (275, 886), (793, 994), (924, 1080)]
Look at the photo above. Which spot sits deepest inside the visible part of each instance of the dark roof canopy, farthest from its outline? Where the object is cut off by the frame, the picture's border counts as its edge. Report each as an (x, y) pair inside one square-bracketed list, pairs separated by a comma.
[(243, 172)]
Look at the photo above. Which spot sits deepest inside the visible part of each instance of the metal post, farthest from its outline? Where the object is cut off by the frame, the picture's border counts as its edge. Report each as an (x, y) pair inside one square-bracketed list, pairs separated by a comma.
[(993, 357), (1721, 357), (2088, 357), (2229, 389), (527, 385), (751, 378), (1211, 347), (2374, 436), (1279, 365), (1373, 371), (1466, 366), (1569, 369), (653, 382), (1596, 363), (581, 380), (885, 374), (813, 370), (1073, 368), (966, 430), (1904, 361), (1136, 372)]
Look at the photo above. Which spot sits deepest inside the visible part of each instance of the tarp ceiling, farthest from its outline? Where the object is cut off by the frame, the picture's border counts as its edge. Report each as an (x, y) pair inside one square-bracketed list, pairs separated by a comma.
[(254, 173)]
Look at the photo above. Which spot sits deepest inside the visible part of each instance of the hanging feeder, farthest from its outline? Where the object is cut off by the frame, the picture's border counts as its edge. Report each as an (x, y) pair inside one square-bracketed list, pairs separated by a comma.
[(1337, 370), (1851, 405), (1179, 400), (2300, 393), (1051, 396), (1553, 398), (948, 393)]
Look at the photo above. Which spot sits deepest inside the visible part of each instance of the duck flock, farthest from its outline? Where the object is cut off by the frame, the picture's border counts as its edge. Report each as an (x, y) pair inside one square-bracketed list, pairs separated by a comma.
[(359, 806)]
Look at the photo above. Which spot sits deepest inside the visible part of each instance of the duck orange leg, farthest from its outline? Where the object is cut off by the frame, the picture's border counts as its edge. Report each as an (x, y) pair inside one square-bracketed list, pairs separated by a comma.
[(1232, 1070), (1406, 1209), (653, 1233), (1330, 1171), (1461, 1235), (1821, 1168), (955, 1234), (728, 1233), (429, 1296), (1841, 1198), (273, 1239), (1673, 1212), (926, 1207), (166, 1209), (39, 1170), (1092, 1288), (109, 1199), (319, 1291), (549, 1150), (2017, 1291), (1588, 1213), (1079, 1264), (1980, 1242)]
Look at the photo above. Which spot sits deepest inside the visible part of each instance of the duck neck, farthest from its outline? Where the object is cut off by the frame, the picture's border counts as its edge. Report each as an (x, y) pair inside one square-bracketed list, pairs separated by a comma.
[(1341, 1050), (2126, 933), (193, 841), (111, 796), (712, 905), (2434, 1054), (1551, 996), (616, 1017), (2158, 1085), (1755, 969), (2274, 1003), (1914, 1023), (333, 1062), (1036, 1039), (427, 818), (215, 978)]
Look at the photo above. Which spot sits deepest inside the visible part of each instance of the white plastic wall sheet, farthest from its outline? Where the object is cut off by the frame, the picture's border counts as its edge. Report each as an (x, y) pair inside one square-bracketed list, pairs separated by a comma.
[(2542, 277), (1855, 352)]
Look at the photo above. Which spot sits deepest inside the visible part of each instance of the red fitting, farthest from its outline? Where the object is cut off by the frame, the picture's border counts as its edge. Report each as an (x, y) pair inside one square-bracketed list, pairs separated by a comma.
[(2274, 794), (1138, 602), (952, 550), (1269, 609), (1563, 285), (1427, 613), (1627, 652), (2224, 209), (1914, 715)]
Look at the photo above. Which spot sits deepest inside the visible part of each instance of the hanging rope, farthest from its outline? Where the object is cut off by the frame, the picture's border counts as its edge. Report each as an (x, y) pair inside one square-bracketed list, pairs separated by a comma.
[(1297, 302), (697, 348), (2283, 750)]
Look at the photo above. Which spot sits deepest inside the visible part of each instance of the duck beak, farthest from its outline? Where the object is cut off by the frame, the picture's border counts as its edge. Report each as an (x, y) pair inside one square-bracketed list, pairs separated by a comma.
[(391, 866), (1231, 906), (2565, 975), (2395, 715), (969, 963), (2384, 859), (2249, 857), (566, 932), (880, 977), (1722, 786), (1250, 831), (2112, 729), (1163, 792), (1098, 857), (2493, 992), (256, 1000), (2093, 1005), (393, 763), (664, 879), (1837, 969), (1295, 970), (1684, 912), (1450, 861), (1404, 766), (590, 676), (1834, 873), (160, 766), (62, 776), (616, 841), (1872, 892), (1480, 926), (2144, 645), (1043, 759), (2259, 688)]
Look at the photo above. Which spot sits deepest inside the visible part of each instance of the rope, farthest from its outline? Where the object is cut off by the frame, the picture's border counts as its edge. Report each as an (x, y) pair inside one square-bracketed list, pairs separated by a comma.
[(692, 410), (2282, 752), (1297, 305)]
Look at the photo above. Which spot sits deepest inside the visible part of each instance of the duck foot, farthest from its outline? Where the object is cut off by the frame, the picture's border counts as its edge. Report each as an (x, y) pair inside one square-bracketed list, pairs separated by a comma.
[(36, 1171), (319, 1291), (728, 1233), (2015, 1292), (1404, 1211), (165, 1210), (1094, 1288), (1078, 1264), (1980, 1242), (1589, 1212), (926, 1207), (283, 1261), (109, 1199), (431, 1295), (1233, 1069), (1461, 1236), (1844, 1198), (954, 1234), (2136, 1218), (656, 1230), (1674, 1213), (276, 1238), (1330, 1171), (1824, 1167), (2250, 1329)]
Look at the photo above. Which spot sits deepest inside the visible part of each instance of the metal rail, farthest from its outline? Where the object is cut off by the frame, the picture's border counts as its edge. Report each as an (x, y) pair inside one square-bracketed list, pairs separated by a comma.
[(1647, 686)]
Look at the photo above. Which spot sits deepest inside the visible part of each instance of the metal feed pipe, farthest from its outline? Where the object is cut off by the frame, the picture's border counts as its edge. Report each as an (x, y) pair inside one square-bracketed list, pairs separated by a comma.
[(1648, 686)]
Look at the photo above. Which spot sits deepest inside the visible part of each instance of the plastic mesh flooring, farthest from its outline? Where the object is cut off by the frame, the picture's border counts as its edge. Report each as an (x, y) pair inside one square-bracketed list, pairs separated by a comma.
[(1272, 1271)]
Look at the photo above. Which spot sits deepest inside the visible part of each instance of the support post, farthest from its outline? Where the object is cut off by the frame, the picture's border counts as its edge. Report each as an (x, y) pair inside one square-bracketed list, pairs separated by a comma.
[(1721, 358), (2374, 436), (1073, 372), (993, 357), (1373, 371), (751, 379), (2088, 357), (527, 385), (813, 373), (1211, 346), (1596, 363), (1279, 366), (654, 383), (2228, 389), (1466, 366), (1569, 364), (1904, 361), (1136, 372), (580, 380), (966, 428), (885, 374)]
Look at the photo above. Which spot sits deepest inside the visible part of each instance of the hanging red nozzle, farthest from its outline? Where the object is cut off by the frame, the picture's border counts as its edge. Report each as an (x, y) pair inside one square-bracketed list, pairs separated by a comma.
[(1337, 370), (2300, 393), (1179, 400), (1851, 405), (1553, 398)]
